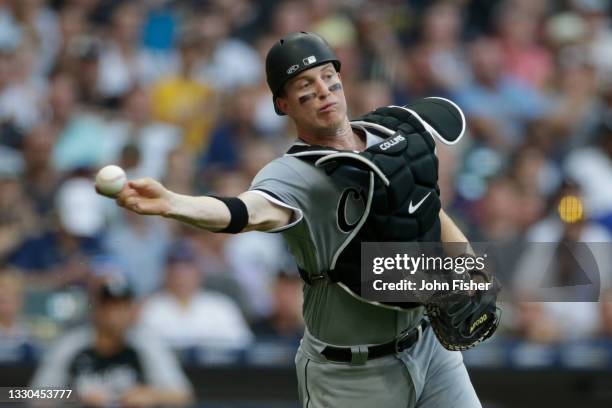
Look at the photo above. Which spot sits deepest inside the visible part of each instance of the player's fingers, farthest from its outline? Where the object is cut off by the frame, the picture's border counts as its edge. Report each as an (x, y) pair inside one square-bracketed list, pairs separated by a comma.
[(126, 192), (146, 207), (125, 195), (129, 202), (148, 187), (143, 184)]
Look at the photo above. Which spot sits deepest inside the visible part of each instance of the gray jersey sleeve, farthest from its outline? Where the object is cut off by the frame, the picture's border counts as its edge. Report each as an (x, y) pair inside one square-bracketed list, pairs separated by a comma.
[(280, 183), (312, 235)]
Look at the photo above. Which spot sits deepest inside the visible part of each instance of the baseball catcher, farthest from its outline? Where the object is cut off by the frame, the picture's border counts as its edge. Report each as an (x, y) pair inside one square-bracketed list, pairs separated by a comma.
[(343, 183)]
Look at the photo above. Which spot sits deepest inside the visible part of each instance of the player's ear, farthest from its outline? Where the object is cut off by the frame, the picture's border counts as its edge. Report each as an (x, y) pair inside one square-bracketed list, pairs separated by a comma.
[(282, 104)]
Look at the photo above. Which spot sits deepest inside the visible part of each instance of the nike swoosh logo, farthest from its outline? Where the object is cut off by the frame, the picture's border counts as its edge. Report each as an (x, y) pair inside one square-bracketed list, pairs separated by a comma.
[(412, 209)]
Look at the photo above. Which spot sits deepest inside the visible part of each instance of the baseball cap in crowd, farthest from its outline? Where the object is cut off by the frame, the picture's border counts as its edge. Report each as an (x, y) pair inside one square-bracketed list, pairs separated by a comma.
[(115, 288)]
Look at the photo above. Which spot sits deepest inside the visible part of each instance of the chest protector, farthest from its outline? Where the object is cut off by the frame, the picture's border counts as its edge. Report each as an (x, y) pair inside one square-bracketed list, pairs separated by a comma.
[(396, 179)]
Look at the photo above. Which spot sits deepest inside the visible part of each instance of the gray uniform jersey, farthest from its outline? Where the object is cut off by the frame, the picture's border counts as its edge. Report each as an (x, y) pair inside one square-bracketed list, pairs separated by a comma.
[(314, 238)]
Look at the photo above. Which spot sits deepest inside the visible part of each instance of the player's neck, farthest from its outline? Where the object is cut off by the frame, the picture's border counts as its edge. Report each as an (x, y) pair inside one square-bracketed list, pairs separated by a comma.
[(342, 138)]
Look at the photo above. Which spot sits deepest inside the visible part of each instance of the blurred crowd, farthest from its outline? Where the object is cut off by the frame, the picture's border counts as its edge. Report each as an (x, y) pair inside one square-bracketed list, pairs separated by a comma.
[(176, 90)]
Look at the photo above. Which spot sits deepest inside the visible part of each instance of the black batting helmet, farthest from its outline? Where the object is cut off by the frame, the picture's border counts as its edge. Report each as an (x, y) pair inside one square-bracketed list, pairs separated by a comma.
[(292, 54)]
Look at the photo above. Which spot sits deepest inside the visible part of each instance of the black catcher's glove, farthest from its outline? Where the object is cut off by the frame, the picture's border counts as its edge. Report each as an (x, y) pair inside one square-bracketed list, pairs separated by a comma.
[(461, 321)]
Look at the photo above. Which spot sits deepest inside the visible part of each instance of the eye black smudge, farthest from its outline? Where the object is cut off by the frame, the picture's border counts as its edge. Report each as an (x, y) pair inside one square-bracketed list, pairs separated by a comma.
[(335, 87), (305, 98)]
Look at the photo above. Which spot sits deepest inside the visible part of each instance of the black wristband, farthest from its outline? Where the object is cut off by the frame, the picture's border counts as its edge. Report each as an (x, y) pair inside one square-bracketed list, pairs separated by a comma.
[(239, 215)]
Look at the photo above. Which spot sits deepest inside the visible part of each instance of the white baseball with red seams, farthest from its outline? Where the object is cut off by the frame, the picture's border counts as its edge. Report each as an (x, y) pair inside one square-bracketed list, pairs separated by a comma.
[(110, 180)]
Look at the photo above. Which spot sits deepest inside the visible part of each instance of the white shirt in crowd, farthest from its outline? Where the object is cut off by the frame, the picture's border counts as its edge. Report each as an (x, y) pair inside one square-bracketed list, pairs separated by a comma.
[(210, 319)]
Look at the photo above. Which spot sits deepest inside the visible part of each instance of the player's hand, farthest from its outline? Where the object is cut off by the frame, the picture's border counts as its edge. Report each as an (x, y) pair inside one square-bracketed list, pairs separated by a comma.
[(145, 196)]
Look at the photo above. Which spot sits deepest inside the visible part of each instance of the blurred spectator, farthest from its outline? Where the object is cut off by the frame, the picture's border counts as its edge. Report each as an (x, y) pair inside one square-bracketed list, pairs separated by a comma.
[(40, 180), (234, 131), (576, 108), (597, 16), (378, 44), (524, 57), (568, 222), (140, 245), (226, 63), (288, 16), (160, 25), (536, 179), (528, 170), (183, 100), (16, 343), (244, 17), (60, 255), (533, 324), (566, 266), (605, 315), (81, 61), (441, 41), (266, 121), (124, 63), (212, 255), (186, 315), (285, 320), (153, 140), (17, 218), (80, 49), (72, 25), (369, 95), (31, 24), (22, 96), (497, 106), (83, 135), (251, 259), (180, 171), (254, 156), (254, 257), (111, 364), (416, 79), (590, 166), (7, 68), (498, 211)]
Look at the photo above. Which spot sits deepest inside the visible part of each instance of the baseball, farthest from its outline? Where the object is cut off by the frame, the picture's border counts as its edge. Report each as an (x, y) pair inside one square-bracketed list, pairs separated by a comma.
[(110, 180)]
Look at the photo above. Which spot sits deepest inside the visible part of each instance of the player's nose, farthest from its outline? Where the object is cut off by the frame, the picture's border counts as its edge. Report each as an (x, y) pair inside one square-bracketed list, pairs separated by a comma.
[(322, 88)]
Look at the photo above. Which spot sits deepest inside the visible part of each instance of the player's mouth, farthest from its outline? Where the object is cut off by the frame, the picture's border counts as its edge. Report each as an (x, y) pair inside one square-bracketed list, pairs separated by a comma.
[(328, 107)]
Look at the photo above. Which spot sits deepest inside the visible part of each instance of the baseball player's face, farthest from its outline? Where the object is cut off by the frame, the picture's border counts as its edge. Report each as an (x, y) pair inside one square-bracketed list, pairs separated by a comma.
[(315, 99)]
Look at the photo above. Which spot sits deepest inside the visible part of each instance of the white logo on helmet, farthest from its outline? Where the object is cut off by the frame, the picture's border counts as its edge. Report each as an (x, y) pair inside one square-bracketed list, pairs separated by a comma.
[(292, 69), (309, 60)]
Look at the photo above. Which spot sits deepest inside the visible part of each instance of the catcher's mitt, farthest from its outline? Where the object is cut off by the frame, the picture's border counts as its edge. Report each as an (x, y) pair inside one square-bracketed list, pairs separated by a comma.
[(461, 321)]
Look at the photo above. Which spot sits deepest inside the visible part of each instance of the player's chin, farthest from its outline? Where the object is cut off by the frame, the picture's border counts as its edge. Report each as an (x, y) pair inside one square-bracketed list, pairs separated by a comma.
[(329, 116)]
